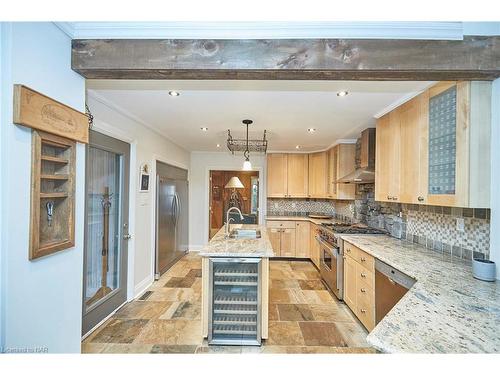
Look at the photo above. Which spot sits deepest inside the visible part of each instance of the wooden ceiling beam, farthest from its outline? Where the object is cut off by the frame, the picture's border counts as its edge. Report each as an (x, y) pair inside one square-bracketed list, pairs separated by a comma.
[(473, 58)]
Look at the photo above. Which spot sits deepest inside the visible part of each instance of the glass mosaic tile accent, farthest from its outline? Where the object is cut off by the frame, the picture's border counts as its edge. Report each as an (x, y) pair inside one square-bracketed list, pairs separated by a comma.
[(442, 142)]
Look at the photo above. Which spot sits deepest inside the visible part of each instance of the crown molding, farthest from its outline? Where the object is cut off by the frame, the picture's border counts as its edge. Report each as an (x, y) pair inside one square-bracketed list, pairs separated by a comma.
[(337, 142), (263, 30), (401, 101)]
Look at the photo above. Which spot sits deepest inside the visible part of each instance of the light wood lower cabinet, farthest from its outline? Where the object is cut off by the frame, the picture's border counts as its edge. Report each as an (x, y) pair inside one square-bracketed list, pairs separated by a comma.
[(314, 246), (302, 239), (287, 247), (359, 284), (282, 237), (350, 282), (294, 239), (274, 235)]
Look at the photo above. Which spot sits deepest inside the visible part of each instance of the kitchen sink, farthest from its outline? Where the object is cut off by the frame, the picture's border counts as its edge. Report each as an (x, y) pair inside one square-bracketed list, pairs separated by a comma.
[(245, 233)]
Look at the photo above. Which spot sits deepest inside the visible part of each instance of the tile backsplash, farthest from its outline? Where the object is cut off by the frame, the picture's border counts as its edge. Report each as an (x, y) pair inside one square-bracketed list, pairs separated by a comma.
[(432, 226)]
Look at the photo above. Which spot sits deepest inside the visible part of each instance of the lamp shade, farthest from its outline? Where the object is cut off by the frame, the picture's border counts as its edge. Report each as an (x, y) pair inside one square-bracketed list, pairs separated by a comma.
[(234, 183)]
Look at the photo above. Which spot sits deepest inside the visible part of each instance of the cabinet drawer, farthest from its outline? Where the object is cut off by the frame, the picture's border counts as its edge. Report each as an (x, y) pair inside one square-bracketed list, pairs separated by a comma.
[(285, 224), (351, 250), (365, 312), (365, 277), (365, 260)]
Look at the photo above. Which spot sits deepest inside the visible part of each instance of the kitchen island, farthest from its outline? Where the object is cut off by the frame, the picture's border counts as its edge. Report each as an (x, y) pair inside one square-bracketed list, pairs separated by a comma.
[(235, 286)]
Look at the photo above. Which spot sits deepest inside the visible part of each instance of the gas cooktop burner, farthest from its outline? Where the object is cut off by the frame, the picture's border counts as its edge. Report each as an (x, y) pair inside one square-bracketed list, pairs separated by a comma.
[(352, 229)]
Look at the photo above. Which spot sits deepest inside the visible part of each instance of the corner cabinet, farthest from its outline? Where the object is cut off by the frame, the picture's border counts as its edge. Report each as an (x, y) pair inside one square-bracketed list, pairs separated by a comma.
[(341, 162), (318, 174), (435, 149)]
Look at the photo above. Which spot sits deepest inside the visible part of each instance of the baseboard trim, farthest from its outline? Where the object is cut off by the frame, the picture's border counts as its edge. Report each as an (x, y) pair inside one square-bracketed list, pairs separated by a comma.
[(142, 286)]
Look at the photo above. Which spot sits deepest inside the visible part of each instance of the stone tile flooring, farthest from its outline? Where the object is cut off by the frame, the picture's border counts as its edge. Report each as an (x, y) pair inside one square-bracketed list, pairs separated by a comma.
[(303, 316)]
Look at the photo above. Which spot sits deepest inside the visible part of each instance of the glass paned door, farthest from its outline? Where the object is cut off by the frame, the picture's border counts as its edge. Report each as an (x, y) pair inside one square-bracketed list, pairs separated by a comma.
[(106, 228)]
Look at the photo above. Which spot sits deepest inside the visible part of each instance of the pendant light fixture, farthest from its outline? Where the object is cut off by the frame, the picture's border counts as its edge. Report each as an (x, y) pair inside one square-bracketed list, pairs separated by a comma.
[(247, 166), (246, 145)]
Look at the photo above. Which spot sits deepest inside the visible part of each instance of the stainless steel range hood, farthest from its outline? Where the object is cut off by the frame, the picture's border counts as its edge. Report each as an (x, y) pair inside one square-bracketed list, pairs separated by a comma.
[(365, 174)]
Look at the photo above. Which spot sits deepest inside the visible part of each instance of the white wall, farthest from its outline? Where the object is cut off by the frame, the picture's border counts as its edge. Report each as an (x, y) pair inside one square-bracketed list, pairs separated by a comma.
[(42, 299), (201, 164), (495, 177), (147, 146)]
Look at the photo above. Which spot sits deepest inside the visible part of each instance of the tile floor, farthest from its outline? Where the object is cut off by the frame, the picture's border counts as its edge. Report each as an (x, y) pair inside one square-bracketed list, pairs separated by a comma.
[(303, 316)]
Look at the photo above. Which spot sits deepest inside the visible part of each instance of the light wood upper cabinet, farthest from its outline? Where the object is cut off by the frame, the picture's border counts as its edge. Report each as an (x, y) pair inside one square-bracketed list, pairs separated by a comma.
[(435, 149), (387, 159), (459, 130), (298, 175), (341, 162), (413, 149), (302, 239), (277, 180), (318, 174), (287, 175)]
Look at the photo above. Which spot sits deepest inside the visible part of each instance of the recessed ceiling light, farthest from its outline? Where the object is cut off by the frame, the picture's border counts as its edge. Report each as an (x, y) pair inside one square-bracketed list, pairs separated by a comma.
[(311, 130), (204, 129), (297, 147), (218, 145), (342, 93), (173, 93)]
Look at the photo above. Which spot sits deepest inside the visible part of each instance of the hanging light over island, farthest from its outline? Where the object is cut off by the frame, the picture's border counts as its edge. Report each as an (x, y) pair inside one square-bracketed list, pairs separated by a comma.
[(246, 145)]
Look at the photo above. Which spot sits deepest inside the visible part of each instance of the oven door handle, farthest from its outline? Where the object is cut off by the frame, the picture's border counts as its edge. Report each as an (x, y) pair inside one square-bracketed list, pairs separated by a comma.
[(332, 249)]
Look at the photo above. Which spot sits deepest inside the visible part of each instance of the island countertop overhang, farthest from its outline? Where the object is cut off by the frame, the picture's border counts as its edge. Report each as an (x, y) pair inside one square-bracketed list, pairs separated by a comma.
[(220, 246)]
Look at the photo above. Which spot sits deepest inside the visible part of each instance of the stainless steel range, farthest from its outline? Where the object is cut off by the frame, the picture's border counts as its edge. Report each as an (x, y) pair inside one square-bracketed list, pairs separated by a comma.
[(332, 252)]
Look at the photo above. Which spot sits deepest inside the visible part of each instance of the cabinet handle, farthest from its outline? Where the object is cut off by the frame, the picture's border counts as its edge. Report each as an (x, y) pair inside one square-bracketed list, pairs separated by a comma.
[(348, 250), (363, 275), (363, 259), (420, 199), (388, 197), (363, 311), (363, 290)]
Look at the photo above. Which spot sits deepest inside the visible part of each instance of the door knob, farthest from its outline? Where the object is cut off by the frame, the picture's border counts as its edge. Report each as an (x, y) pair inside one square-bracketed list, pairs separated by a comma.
[(127, 236)]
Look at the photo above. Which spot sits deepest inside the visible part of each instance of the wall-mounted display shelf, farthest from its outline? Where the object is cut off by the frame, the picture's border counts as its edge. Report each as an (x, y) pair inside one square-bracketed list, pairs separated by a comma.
[(52, 194)]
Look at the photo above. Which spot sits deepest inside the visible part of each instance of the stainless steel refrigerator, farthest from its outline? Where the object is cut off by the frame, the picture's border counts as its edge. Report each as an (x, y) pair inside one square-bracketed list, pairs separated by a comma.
[(171, 216)]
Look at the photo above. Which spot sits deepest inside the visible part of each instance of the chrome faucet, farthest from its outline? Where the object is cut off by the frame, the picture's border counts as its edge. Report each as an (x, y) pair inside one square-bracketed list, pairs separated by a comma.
[(228, 219)]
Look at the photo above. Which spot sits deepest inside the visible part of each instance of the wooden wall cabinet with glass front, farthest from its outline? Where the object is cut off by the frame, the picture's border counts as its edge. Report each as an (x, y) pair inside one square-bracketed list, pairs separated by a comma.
[(459, 129), (52, 193), (435, 149)]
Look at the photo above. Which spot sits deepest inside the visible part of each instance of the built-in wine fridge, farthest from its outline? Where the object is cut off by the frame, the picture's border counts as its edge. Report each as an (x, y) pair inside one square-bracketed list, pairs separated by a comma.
[(235, 301)]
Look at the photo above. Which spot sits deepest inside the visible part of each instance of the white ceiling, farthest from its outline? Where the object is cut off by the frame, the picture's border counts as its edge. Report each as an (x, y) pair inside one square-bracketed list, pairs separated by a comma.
[(284, 108)]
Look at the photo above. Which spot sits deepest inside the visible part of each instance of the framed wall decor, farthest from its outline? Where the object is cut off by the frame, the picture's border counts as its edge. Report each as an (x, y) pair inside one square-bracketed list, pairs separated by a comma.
[(144, 181), (52, 194)]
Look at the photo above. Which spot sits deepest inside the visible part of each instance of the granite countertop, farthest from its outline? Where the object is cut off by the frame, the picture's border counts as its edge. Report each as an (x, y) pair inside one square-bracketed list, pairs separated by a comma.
[(446, 311), (220, 246)]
